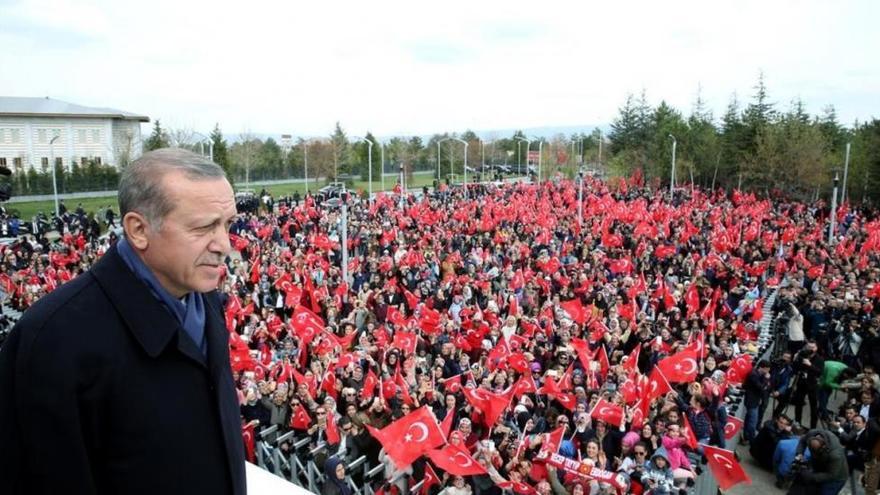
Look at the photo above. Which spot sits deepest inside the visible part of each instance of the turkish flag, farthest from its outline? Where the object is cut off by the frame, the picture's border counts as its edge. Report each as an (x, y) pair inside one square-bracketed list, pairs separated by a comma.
[(452, 384), (410, 436), (332, 430), (631, 362), (518, 487), (446, 424), (553, 440), (517, 361), (608, 412), (575, 310), (681, 367), (455, 460), (732, 427), (725, 467), (412, 301), (250, 446), (698, 345), (429, 480), (389, 389), (739, 369), (656, 385), (300, 419), (688, 432), (306, 324), (621, 266), (404, 387), (568, 401), (692, 299), (758, 312), (664, 251), (525, 385), (405, 341), (370, 383)]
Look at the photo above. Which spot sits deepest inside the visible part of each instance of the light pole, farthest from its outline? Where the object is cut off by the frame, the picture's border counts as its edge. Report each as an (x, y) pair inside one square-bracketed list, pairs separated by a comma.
[(306, 164), (540, 147), (482, 159), (528, 145), (672, 177), (845, 173), (833, 210), (52, 163), (369, 163), (600, 146), (344, 235), (438, 163), (206, 139), (382, 173), (581, 197)]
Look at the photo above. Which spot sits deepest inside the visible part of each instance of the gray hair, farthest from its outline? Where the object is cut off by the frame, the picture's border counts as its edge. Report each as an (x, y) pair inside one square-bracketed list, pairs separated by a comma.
[(140, 185)]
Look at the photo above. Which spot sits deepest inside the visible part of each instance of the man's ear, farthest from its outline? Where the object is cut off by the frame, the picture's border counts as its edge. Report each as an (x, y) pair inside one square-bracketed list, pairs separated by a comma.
[(136, 230)]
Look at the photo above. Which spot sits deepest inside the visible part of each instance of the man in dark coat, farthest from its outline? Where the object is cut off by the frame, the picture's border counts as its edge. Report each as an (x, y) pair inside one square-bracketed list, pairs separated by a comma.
[(119, 381)]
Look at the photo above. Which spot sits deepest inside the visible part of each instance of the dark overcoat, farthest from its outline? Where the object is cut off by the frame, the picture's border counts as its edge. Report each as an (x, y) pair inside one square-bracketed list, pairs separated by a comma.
[(102, 392)]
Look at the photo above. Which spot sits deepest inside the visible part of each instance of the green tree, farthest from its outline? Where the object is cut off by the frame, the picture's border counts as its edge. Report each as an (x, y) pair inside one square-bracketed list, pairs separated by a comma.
[(221, 152), (339, 145), (158, 138)]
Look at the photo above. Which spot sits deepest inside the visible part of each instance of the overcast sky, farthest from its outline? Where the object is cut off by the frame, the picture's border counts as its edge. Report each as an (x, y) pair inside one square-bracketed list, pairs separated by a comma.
[(417, 67)]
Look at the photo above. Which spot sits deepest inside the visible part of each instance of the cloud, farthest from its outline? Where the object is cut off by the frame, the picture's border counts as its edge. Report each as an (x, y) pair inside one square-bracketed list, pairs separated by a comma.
[(403, 67)]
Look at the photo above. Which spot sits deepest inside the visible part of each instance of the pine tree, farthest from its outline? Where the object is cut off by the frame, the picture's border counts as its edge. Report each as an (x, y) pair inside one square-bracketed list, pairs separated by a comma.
[(221, 152), (158, 139), (339, 145), (624, 127)]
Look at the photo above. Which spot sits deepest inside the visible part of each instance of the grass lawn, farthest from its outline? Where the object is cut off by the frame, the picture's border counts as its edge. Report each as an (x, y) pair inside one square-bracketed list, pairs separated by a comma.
[(26, 211)]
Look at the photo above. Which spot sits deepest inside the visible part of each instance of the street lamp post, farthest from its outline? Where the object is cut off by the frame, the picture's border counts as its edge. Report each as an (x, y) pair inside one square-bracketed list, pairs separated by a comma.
[(344, 235), (382, 172), (845, 174), (528, 145), (581, 197), (369, 163), (438, 163), (540, 147), (833, 210), (672, 177), (306, 164), (52, 164)]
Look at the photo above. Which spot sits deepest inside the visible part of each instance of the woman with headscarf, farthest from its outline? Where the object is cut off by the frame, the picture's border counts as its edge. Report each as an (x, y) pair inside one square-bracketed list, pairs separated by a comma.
[(334, 483)]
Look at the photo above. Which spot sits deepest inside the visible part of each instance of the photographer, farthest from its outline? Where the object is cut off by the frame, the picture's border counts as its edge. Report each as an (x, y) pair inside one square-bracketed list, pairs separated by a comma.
[(827, 468), (784, 464), (808, 366), (780, 382), (796, 336)]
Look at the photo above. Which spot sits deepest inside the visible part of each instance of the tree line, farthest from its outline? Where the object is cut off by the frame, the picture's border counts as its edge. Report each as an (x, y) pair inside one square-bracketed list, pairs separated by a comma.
[(758, 146)]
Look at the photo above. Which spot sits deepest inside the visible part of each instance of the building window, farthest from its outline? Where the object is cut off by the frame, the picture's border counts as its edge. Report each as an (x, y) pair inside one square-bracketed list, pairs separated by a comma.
[(83, 161), (96, 135), (3, 162), (41, 136), (59, 162), (44, 162), (16, 162), (97, 160)]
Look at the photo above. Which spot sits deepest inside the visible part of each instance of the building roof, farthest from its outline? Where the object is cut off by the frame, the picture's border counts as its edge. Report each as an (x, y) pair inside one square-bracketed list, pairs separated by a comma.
[(15, 106)]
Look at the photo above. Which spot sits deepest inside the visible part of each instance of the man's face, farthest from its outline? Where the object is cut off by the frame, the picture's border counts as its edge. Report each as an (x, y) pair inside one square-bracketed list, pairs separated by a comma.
[(186, 253)]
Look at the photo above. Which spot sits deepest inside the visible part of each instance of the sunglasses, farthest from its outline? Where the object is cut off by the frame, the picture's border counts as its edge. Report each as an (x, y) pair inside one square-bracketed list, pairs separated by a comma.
[(641, 453)]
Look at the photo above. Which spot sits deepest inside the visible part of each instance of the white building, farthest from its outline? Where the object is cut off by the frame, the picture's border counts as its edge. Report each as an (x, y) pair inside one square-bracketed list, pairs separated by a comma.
[(29, 125)]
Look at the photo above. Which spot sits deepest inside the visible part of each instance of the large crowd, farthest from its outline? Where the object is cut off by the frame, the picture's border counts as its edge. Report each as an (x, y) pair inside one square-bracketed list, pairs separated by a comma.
[(552, 354)]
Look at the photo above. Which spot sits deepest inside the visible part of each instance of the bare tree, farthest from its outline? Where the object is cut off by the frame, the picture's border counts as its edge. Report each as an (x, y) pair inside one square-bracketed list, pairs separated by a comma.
[(246, 151)]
